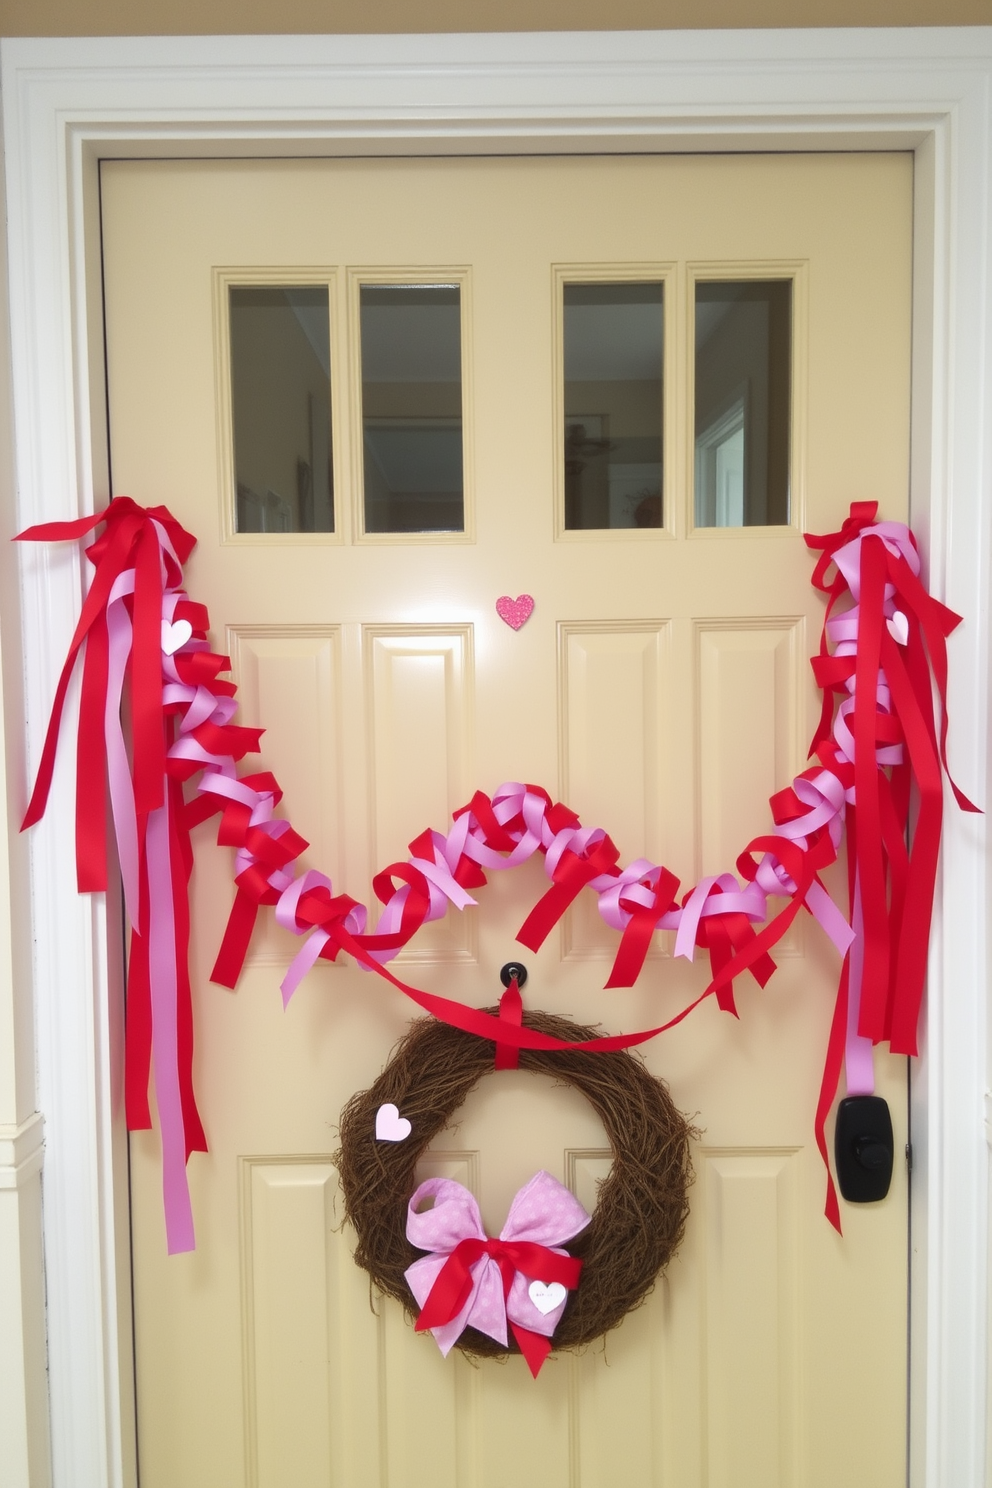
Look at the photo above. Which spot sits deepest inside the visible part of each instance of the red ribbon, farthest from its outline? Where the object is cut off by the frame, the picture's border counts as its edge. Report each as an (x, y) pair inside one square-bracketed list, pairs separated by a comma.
[(128, 540), (635, 940), (503, 1031), (861, 515), (511, 1010), (572, 872), (453, 1285)]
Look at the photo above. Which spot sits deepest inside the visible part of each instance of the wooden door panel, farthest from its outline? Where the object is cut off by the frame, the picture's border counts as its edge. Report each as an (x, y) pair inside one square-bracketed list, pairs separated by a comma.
[(613, 681), (749, 684)]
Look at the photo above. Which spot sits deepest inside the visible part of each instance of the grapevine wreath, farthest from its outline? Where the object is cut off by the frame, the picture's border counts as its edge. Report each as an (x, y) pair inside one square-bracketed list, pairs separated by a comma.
[(878, 750), (640, 1208)]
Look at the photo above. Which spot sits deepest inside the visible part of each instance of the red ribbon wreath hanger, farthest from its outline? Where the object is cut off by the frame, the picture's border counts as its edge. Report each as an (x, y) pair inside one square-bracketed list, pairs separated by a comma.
[(141, 635)]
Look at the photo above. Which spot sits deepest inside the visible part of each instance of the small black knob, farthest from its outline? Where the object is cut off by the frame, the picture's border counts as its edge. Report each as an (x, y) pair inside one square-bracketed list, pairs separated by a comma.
[(871, 1154), (513, 969)]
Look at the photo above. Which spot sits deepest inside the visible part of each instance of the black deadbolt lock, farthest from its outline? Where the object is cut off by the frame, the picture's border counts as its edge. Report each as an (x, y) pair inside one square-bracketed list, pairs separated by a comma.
[(863, 1148)]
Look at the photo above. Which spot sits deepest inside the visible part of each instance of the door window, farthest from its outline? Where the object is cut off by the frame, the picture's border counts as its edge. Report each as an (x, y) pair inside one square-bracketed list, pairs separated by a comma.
[(412, 448), (743, 413), (281, 407), (613, 361)]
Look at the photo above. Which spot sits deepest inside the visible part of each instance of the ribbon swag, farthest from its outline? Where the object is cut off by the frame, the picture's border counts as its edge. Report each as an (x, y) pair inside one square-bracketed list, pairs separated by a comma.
[(470, 1281), (882, 655)]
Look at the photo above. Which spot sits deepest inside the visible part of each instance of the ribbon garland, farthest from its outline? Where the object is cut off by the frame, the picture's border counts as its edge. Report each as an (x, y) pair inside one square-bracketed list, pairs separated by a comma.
[(141, 636)]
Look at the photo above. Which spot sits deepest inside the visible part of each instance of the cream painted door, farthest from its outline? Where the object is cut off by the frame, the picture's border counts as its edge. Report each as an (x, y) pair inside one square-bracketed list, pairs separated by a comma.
[(661, 688)]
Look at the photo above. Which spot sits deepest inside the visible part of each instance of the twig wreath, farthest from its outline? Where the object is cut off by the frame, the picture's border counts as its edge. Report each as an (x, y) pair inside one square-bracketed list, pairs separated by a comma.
[(641, 1206), (878, 743)]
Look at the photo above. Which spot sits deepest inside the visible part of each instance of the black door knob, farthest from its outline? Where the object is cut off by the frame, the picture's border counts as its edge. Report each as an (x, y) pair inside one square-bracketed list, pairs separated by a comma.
[(863, 1146)]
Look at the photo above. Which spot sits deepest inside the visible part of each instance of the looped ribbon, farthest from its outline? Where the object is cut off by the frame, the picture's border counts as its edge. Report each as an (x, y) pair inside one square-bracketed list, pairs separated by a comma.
[(471, 1281)]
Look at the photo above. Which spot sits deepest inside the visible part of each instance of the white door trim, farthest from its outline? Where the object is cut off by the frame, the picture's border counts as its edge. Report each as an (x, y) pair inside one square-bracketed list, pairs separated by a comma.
[(66, 103)]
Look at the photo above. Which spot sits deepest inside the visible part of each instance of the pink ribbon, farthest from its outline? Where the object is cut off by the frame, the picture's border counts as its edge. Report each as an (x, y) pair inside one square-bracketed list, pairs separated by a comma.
[(164, 990), (859, 1061), (543, 1213)]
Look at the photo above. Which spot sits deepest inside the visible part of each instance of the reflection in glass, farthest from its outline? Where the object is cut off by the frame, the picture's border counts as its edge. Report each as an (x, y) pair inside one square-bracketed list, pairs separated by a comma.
[(613, 385), (281, 402), (743, 381), (412, 407)]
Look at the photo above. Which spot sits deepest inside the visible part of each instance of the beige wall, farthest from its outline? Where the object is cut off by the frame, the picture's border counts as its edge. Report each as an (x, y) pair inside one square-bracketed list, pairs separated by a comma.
[(177, 17)]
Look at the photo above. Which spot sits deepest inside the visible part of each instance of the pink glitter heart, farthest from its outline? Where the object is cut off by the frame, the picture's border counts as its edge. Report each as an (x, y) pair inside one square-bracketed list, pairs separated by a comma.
[(515, 611)]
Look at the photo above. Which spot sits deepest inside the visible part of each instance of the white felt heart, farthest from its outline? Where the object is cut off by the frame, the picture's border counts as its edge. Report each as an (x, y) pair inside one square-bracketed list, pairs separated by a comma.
[(390, 1126), (546, 1298), (898, 627), (515, 611), (175, 634)]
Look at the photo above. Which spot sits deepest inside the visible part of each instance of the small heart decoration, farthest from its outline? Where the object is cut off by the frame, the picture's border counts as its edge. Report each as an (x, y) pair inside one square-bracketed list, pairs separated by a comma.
[(175, 634), (546, 1298), (898, 628), (515, 612), (390, 1126)]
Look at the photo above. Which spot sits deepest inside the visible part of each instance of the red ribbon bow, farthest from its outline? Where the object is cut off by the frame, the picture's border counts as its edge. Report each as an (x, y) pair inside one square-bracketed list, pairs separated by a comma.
[(453, 1286), (127, 541)]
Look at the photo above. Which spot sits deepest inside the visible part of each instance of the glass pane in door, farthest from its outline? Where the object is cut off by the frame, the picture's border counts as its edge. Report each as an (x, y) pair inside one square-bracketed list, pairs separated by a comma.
[(743, 402), (281, 407), (412, 408), (613, 399)]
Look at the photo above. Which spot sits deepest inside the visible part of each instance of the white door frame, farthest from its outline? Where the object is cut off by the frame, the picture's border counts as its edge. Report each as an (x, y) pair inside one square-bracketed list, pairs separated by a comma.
[(66, 103)]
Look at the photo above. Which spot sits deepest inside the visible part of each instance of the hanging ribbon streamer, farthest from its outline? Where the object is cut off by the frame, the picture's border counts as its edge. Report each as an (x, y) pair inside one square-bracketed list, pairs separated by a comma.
[(138, 560), (140, 635)]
